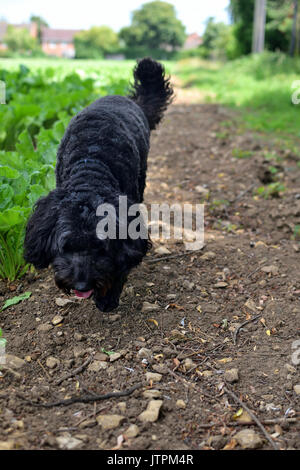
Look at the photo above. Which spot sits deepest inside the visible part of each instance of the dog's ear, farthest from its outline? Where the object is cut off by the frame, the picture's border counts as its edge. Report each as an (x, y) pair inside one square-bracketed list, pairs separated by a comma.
[(39, 244), (131, 252)]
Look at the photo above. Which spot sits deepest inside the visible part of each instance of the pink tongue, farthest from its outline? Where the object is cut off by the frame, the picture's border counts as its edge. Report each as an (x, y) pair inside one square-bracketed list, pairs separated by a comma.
[(85, 295)]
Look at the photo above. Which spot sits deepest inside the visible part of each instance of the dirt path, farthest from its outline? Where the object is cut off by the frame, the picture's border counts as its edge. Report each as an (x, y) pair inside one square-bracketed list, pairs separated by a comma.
[(235, 305)]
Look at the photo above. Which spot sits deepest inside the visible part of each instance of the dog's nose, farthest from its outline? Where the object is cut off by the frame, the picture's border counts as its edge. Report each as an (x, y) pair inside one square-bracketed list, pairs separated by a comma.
[(81, 286)]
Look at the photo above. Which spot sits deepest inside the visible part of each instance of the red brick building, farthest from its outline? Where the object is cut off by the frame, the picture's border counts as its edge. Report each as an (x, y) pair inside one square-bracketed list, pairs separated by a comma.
[(55, 42), (193, 40), (59, 42)]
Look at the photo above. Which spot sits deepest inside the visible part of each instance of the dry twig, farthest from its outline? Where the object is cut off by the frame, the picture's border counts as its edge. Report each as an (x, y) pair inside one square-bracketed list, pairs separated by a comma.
[(83, 399), (74, 372), (254, 418)]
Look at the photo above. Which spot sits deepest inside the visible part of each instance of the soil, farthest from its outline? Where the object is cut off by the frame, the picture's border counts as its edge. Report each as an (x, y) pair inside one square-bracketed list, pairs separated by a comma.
[(235, 304)]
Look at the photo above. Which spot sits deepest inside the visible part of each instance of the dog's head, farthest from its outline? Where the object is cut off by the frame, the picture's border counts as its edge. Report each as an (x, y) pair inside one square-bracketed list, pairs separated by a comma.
[(62, 232)]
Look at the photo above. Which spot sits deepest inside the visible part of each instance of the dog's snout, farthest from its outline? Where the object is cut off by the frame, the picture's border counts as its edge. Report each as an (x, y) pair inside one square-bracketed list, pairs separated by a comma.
[(81, 286)]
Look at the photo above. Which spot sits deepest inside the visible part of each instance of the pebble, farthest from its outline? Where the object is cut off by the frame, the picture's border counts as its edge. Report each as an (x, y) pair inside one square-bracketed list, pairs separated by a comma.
[(144, 353), (217, 442), (169, 352), (221, 284), (78, 336), (44, 327), (290, 368), (99, 356), (68, 443), (248, 439), (57, 320), (181, 404), (122, 406), (160, 368), (132, 431), (153, 393), (109, 421), (13, 362), (231, 375), (171, 296), (208, 255), (151, 414), (130, 290), (201, 190), (189, 364), (297, 389), (270, 270), (154, 377), (162, 250), (243, 418), (96, 366), (207, 373), (147, 307), (62, 302), (79, 351), (52, 362), (114, 317), (188, 285), (7, 445), (114, 357)]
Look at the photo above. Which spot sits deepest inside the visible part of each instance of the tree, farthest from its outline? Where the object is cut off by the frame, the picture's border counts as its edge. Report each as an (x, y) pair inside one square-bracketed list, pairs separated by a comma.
[(19, 40), (294, 30), (242, 13), (279, 19), (217, 40), (259, 26), (154, 27), (41, 23), (96, 42)]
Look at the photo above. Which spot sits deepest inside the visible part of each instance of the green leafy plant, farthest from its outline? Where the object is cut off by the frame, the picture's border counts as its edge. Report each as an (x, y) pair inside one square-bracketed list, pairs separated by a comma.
[(296, 232), (271, 190), (239, 153), (39, 105), (15, 300)]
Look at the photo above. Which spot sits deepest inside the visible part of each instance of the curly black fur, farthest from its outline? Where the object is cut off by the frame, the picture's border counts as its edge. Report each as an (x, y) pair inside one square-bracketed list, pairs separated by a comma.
[(102, 156)]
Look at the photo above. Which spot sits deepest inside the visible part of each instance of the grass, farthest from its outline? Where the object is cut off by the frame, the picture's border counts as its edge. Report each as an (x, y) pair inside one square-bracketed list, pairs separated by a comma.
[(260, 86)]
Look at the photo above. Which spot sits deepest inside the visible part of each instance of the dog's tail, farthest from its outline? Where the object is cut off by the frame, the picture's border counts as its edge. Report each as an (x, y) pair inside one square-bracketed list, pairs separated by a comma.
[(151, 90)]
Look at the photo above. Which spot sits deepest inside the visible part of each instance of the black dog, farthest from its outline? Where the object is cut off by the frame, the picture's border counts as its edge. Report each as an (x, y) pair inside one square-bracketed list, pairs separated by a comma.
[(103, 155)]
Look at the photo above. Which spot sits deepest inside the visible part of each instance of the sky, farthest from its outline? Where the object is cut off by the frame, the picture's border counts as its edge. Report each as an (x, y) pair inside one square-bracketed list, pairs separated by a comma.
[(75, 14)]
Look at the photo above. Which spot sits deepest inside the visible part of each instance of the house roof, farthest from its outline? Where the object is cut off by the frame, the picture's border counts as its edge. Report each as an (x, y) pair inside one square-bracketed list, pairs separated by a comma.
[(58, 35), (192, 40)]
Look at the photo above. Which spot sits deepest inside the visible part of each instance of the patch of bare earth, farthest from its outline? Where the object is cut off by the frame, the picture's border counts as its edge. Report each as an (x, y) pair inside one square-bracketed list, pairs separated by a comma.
[(217, 325)]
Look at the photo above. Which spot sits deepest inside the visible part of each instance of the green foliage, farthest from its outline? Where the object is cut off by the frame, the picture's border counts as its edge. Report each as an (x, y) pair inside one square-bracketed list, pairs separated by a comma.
[(40, 22), (296, 234), (154, 27), (271, 190), (15, 300), (96, 42), (258, 85), (19, 40), (39, 107), (239, 153), (279, 19), (219, 42)]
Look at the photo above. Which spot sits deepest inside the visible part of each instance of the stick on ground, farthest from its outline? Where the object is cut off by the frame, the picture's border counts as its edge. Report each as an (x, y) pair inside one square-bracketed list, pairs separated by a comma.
[(83, 399), (254, 418)]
